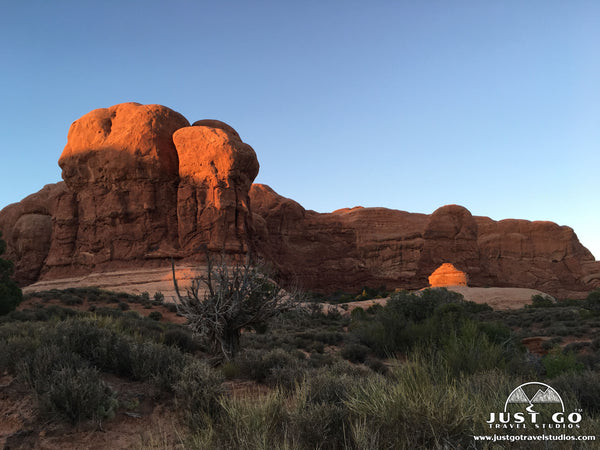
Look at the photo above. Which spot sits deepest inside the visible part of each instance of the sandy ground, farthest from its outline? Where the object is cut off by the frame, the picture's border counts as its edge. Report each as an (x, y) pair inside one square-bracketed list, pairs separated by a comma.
[(129, 281), (497, 298)]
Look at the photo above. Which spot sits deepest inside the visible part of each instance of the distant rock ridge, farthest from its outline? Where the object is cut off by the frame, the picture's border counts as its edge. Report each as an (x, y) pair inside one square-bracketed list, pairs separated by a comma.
[(142, 185)]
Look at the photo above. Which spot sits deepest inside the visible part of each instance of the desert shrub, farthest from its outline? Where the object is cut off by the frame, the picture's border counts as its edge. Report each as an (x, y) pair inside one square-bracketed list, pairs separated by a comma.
[(249, 424), (66, 385), (108, 312), (320, 425), (77, 394), (155, 315), (376, 336), (157, 363), (469, 351), (496, 332), (226, 300), (592, 302), (320, 360), (197, 393), (14, 349), (10, 293), (27, 315), (71, 299), (320, 418), (585, 386), (358, 314), (541, 301), (356, 353), (159, 297), (328, 337), (328, 386), (557, 362), (275, 368), (124, 306), (180, 338), (377, 366), (576, 347), (421, 409), (230, 370), (409, 318), (94, 343)]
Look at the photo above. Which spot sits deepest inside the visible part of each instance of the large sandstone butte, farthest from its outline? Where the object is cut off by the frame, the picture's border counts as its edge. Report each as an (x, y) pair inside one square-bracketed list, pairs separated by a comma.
[(142, 186)]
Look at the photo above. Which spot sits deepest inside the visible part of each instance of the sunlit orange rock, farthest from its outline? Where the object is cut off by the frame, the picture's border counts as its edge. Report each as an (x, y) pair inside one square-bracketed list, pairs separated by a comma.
[(216, 170), (121, 168), (447, 275)]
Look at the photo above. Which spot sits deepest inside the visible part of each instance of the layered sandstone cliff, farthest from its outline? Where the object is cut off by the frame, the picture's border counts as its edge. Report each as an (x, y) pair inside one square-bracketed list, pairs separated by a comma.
[(355, 247), (141, 186)]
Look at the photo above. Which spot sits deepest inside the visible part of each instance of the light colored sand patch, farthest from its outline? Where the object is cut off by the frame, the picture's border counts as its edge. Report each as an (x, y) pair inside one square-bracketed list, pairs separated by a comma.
[(129, 281), (498, 297)]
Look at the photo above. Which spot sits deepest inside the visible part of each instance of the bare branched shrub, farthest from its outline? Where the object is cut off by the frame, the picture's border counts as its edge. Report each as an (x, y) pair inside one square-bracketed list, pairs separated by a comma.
[(227, 299)]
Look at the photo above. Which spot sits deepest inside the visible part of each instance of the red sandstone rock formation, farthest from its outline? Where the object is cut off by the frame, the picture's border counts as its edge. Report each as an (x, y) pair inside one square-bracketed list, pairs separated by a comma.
[(355, 247), (27, 229), (121, 168), (447, 275), (216, 170), (141, 185)]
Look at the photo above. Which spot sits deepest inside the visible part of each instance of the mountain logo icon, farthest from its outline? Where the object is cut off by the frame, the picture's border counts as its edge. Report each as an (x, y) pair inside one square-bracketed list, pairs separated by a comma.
[(543, 394)]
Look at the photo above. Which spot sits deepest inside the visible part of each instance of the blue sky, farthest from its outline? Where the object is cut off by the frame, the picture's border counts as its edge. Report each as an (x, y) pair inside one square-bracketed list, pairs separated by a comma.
[(411, 105)]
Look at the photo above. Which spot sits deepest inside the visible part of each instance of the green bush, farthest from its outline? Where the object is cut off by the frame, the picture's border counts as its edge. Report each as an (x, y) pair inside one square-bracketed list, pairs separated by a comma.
[(584, 385), (320, 425), (10, 293), (469, 351), (557, 362), (157, 363), (155, 315), (592, 302), (198, 392), (541, 301), (66, 385), (275, 368), (77, 394), (356, 353), (180, 338)]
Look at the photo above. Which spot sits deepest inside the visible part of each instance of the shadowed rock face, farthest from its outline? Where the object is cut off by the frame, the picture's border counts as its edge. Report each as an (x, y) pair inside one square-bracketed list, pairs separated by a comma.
[(351, 248), (27, 229), (141, 185)]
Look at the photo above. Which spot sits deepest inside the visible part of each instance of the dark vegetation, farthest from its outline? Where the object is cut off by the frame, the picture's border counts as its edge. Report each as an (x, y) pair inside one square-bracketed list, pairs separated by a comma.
[(423, 371), (10, 294), (230, 298)]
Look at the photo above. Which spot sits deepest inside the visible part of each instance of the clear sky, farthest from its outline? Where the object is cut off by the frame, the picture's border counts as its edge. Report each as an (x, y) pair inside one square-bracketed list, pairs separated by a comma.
[(411, 105)]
